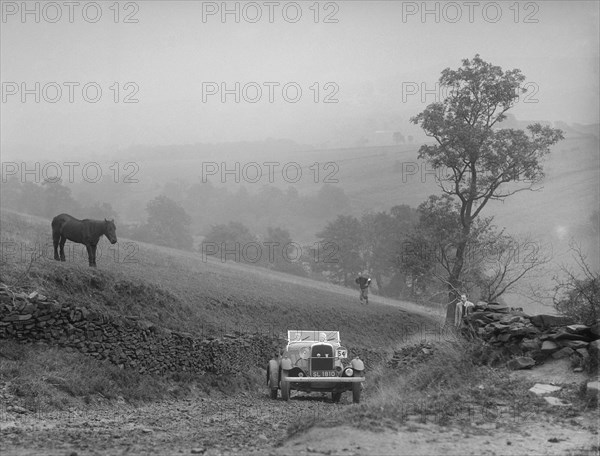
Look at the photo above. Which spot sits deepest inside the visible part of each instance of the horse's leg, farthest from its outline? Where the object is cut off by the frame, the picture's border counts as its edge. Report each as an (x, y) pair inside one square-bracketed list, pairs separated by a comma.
[(55, 240), (94, 255), (63, 239), (89, 252)]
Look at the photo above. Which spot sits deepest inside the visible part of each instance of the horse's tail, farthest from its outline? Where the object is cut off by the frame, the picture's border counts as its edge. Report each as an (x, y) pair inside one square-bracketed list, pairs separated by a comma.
[(58, 221)]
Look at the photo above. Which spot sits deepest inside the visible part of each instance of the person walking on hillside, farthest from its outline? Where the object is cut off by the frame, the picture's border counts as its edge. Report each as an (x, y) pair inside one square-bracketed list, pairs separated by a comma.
[(363, 282)]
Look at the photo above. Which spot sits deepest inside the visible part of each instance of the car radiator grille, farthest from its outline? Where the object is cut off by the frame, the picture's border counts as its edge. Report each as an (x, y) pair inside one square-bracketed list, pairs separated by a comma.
[(322, 363)]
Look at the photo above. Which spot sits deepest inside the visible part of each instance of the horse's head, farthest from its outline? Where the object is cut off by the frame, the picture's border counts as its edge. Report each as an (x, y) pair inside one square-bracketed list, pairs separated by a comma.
[(110, 230)]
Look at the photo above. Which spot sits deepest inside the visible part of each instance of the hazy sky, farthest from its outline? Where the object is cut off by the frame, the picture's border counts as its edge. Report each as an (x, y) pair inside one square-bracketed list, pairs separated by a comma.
[(376, 58)]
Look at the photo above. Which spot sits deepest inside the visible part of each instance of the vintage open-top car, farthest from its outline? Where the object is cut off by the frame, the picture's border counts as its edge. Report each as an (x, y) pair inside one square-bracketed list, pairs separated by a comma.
[(315, 361)]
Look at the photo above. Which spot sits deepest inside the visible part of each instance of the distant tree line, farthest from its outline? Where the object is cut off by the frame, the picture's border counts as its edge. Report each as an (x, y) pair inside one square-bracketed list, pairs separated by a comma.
[(49, 198), (210, 205)]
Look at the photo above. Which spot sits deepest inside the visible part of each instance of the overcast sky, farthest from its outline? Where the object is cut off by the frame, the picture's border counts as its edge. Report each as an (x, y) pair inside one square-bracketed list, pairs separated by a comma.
[(374, 57)]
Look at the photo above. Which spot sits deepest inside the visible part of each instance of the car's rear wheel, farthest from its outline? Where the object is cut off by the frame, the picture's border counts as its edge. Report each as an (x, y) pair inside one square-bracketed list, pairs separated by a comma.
[(335, 397), (356, 389), (285, 386), (273, 378)]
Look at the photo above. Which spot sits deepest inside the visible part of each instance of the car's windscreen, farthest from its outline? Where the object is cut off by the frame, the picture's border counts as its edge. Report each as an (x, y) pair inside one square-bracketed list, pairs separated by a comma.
[(313, 336)]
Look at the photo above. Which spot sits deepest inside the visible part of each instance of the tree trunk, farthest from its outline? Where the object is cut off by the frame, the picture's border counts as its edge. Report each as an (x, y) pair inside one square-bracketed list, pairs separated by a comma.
[(454, 282)]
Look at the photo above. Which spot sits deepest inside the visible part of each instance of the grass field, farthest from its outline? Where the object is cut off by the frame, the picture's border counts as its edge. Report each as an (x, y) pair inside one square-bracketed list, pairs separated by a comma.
[(181, 291)]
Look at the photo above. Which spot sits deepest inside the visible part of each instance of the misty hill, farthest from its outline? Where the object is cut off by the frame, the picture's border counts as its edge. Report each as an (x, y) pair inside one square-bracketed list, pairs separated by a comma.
[(372, 178)]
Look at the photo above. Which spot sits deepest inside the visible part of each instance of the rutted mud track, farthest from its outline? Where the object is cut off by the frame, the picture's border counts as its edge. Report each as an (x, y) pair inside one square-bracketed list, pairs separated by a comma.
[(209, 426), (255, 425)]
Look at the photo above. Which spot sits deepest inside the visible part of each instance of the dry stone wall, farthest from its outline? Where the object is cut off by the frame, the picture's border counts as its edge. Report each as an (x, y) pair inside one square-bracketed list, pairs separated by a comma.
[(525, 341), (128, 341)]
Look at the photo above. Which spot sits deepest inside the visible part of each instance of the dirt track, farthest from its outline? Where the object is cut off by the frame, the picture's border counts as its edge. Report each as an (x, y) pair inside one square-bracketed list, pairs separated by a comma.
[(256, 425)]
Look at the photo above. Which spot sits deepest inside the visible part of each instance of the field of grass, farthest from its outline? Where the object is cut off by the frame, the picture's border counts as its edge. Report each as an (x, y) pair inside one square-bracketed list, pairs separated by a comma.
[(179, 290)]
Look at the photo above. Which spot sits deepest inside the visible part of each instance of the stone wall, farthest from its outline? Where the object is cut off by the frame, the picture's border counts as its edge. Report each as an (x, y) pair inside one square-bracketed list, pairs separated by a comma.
[(128, 341), (525, 340)]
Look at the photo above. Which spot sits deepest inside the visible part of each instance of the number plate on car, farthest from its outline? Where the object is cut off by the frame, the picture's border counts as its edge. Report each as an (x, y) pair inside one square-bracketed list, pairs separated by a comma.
[(323, 374)]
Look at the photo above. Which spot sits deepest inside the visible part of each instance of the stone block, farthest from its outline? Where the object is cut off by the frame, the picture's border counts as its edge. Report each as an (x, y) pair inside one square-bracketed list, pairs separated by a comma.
[(522, 362), (564, 352), (556, 401), (592, 389), (577, 329), (541, 389), (548, 346), (574, 344), (594, 349), (530, 344), (595, 329)]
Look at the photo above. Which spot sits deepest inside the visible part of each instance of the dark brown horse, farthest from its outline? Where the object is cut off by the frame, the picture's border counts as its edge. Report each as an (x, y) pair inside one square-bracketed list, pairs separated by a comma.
[(87, 232)]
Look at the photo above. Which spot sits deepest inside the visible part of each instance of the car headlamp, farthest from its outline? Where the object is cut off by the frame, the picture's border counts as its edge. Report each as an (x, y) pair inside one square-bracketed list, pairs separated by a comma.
[(349, 372)]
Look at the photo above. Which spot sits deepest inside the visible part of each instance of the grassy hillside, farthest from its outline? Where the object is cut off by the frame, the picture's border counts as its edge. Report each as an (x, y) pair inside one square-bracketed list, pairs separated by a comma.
[(180, 291), (377, 178)]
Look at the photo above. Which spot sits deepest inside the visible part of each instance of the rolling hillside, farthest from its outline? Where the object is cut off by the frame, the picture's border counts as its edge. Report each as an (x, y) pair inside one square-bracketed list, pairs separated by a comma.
[(180, 291), (377, 178)]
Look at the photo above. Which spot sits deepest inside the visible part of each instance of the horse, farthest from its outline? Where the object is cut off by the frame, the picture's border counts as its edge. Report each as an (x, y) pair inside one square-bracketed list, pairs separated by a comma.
[(86, 231)]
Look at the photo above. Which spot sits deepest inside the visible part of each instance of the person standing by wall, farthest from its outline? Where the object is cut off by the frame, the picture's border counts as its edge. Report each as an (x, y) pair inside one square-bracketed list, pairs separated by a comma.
[(463, 307)]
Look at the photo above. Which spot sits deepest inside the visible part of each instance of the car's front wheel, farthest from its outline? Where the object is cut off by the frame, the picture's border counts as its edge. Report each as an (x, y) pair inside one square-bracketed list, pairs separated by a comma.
[(273, 378), (356, 389), (285, 385)]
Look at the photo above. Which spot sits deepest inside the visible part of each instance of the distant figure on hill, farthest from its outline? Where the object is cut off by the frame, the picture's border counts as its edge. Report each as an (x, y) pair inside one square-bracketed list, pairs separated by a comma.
[(363, 282)]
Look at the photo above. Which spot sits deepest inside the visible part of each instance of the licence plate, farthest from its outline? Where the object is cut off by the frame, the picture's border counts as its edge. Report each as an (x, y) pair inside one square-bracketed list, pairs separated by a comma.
[(323, 374)]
